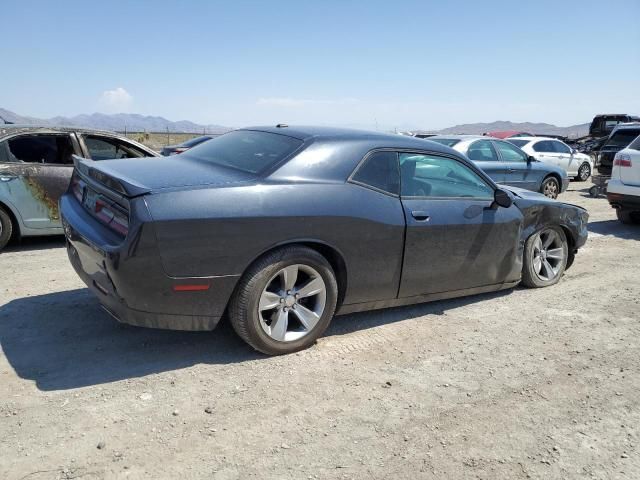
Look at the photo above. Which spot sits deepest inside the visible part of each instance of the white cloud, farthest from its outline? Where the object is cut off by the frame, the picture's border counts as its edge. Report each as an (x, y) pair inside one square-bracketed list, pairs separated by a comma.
[(300, 102), (117, 100)]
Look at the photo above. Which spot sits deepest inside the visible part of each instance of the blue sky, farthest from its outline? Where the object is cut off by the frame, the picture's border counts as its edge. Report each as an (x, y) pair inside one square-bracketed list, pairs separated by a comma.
[(404, 64)]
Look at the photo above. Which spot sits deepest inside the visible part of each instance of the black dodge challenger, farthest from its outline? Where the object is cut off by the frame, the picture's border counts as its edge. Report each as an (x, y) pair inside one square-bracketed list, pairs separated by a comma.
[(281, 228)]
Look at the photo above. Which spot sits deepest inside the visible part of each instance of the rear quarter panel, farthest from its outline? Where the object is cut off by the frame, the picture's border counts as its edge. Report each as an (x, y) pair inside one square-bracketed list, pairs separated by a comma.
[(221, 231)]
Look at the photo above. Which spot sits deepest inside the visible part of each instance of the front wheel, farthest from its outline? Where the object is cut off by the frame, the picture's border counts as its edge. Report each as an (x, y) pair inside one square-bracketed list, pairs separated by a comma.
[(285, 301), (550, 187), (584, 172), (545, 258)]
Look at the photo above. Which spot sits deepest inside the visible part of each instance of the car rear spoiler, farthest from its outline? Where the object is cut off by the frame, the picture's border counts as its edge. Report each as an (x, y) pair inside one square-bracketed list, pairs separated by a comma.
[(122, 185)]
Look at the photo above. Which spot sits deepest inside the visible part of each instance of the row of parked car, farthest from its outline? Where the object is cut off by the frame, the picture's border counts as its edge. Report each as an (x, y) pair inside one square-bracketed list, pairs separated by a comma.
[(36, 164)]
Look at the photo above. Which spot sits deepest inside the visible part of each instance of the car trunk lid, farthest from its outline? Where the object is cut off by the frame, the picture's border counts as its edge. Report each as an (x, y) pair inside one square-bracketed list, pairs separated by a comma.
[(627, 162)]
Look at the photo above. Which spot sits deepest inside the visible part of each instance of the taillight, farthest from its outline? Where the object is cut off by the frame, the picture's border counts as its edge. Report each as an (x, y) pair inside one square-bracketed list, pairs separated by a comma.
[(111, 216), (622, 160), (77, 187)]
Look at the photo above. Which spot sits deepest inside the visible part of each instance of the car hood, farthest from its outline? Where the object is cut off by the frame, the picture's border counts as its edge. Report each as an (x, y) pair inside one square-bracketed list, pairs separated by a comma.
[(144, 175), (534, 196)]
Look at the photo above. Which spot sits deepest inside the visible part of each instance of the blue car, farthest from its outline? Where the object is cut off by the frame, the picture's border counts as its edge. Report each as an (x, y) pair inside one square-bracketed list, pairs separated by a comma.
[(508, 165)]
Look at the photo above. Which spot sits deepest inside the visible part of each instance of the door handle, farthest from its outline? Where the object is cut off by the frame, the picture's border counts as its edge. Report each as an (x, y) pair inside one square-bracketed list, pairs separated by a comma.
[(7, 178), (420, 215)]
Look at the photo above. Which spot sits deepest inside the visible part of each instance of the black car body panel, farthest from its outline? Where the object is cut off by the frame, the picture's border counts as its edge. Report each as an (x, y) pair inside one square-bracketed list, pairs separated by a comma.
[(204, 224)]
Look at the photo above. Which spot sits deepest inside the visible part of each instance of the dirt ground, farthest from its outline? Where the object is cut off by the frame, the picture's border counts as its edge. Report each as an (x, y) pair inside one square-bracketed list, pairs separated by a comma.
[(521, 384)]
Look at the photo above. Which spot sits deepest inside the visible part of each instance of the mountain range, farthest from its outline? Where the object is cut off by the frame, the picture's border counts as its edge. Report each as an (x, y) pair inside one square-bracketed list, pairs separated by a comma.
[(136, 123), (132, 122)]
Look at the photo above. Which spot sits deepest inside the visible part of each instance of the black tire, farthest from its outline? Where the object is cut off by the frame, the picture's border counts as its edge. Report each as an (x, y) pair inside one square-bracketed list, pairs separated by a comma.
[(244, 305), (6, 228), (628, 217), (550, 187), (584, 172), (530, 276)]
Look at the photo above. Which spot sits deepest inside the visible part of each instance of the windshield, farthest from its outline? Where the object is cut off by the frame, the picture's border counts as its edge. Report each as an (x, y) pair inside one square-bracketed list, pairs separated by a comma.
[(245, 150), (518, 143), (622, 138), (449, 142)]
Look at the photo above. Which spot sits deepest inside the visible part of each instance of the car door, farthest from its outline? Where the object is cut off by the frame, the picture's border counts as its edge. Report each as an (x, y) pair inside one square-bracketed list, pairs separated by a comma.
[(564, 157), (102, 147), (456, 238), (484, 155), (545, 152), (36, 175), (519, 172)]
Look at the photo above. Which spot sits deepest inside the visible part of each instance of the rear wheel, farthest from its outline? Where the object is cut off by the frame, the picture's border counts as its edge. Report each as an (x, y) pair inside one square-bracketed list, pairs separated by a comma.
[(628, 217), (584, 172), (6, 228), (545, 258), (550, 187), (285, 301)]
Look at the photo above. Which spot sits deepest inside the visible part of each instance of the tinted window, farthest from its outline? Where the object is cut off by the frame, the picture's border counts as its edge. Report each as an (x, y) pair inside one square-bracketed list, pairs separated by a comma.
[(103, 148), (622, 138), (245, 150), (518, 143), (380, 170), (509, 153), (449, 142), (435, 176), (561, 147), (482, 151), (52, 149), (635, 144), (544, 146)]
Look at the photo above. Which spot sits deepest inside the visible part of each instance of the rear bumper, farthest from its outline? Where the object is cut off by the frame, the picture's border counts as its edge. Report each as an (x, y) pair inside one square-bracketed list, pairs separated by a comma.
[(623, 196), (129, 281)]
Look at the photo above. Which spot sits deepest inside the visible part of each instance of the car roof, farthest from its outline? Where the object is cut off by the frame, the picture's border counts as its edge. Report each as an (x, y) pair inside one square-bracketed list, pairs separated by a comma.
[(12, 128), (333, 134), (531, 139)]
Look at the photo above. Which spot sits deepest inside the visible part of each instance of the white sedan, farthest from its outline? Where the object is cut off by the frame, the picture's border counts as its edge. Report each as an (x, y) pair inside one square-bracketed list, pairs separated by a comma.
[(623, 190), (553, 151)]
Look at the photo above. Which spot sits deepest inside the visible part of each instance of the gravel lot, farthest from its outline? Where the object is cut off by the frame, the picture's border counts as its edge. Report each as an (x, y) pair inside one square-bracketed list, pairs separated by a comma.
[(521, 384)]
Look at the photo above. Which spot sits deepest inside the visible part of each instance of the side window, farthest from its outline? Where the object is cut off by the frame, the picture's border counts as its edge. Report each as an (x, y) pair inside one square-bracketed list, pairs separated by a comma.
[(560, 147), (425, 175), (543, 146), (635, 145), (482, 151), (509, 153), (380, 171), (104, 148), (50, 149)]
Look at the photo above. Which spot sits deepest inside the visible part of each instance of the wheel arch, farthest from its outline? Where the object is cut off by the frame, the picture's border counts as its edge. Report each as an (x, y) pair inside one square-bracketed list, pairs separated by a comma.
[(332, 254), (15, 224)]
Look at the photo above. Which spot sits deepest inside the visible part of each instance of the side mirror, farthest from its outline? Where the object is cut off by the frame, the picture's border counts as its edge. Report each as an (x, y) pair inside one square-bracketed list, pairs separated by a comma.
[(502, 198), (531, 159)]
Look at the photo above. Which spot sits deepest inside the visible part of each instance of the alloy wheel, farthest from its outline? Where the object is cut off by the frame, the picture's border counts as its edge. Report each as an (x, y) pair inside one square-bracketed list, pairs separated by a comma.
[(551, 189), (584, 172), (292, 303), (548, 255)]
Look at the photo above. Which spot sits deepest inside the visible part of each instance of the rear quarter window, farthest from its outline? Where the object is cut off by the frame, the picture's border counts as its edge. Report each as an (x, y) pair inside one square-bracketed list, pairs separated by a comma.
[(635, 144), (246, 150)]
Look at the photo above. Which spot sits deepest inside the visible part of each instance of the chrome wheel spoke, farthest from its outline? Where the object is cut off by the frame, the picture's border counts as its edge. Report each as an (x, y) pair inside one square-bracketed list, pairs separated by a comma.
[(549, 271), (308, 318), (312, 287), (269, 300), (551, 236), (289, 277), (537, 264), (279, 325), (555, 253)]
